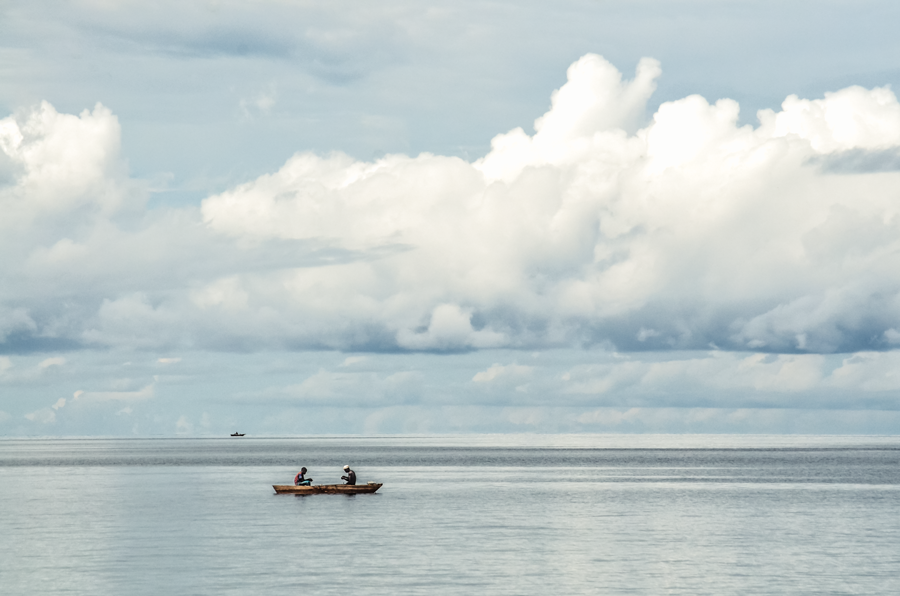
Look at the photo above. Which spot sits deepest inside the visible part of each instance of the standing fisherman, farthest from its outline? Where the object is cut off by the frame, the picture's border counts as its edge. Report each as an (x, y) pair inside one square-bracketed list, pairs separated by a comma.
[(350, 477)]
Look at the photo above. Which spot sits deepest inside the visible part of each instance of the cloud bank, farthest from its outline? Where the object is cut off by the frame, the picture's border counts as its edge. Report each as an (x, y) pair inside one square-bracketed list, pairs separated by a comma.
[(325, 392), (606, 227)]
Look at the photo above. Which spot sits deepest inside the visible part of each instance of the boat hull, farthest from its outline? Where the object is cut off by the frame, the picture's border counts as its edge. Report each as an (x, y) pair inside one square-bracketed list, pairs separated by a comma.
[(326, 489)]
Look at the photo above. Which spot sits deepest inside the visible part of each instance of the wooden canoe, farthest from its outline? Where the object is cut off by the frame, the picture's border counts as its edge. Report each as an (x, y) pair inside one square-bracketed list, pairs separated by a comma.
[(326, 489)]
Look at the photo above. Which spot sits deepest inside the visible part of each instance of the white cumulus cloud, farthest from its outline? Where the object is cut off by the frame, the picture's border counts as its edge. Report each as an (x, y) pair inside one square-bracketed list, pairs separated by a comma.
[(499, 371), (691, 230), (607, 226), (63, 161)]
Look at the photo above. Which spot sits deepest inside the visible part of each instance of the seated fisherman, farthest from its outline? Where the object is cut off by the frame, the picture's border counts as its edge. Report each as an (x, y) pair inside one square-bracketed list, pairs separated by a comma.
[(350, 477), (301, 479)]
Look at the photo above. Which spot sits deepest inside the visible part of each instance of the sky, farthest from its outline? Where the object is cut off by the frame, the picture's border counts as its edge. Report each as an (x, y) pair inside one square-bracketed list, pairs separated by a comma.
[(288, 218)]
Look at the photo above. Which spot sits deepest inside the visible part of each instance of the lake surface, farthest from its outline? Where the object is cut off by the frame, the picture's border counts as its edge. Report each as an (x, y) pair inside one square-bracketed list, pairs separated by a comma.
[(456, 515)]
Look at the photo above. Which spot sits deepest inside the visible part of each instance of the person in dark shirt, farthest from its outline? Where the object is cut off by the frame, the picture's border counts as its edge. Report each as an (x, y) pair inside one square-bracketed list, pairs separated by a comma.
[(301, 479), (350, 477)]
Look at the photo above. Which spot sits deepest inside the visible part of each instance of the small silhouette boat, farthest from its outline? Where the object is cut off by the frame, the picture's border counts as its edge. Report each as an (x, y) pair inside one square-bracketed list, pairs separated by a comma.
[(237, 434), (326, 489)]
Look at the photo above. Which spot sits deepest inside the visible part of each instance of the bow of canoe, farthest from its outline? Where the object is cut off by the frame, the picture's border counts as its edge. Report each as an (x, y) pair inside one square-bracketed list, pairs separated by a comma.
[(328, 489)]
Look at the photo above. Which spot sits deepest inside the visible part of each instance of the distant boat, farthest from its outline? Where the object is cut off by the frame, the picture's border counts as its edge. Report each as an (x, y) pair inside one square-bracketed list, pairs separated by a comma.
[(237, 434), (326, 489)]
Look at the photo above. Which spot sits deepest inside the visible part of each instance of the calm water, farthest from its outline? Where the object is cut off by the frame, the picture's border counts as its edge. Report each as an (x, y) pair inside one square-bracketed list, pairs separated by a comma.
[(463, 515)]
